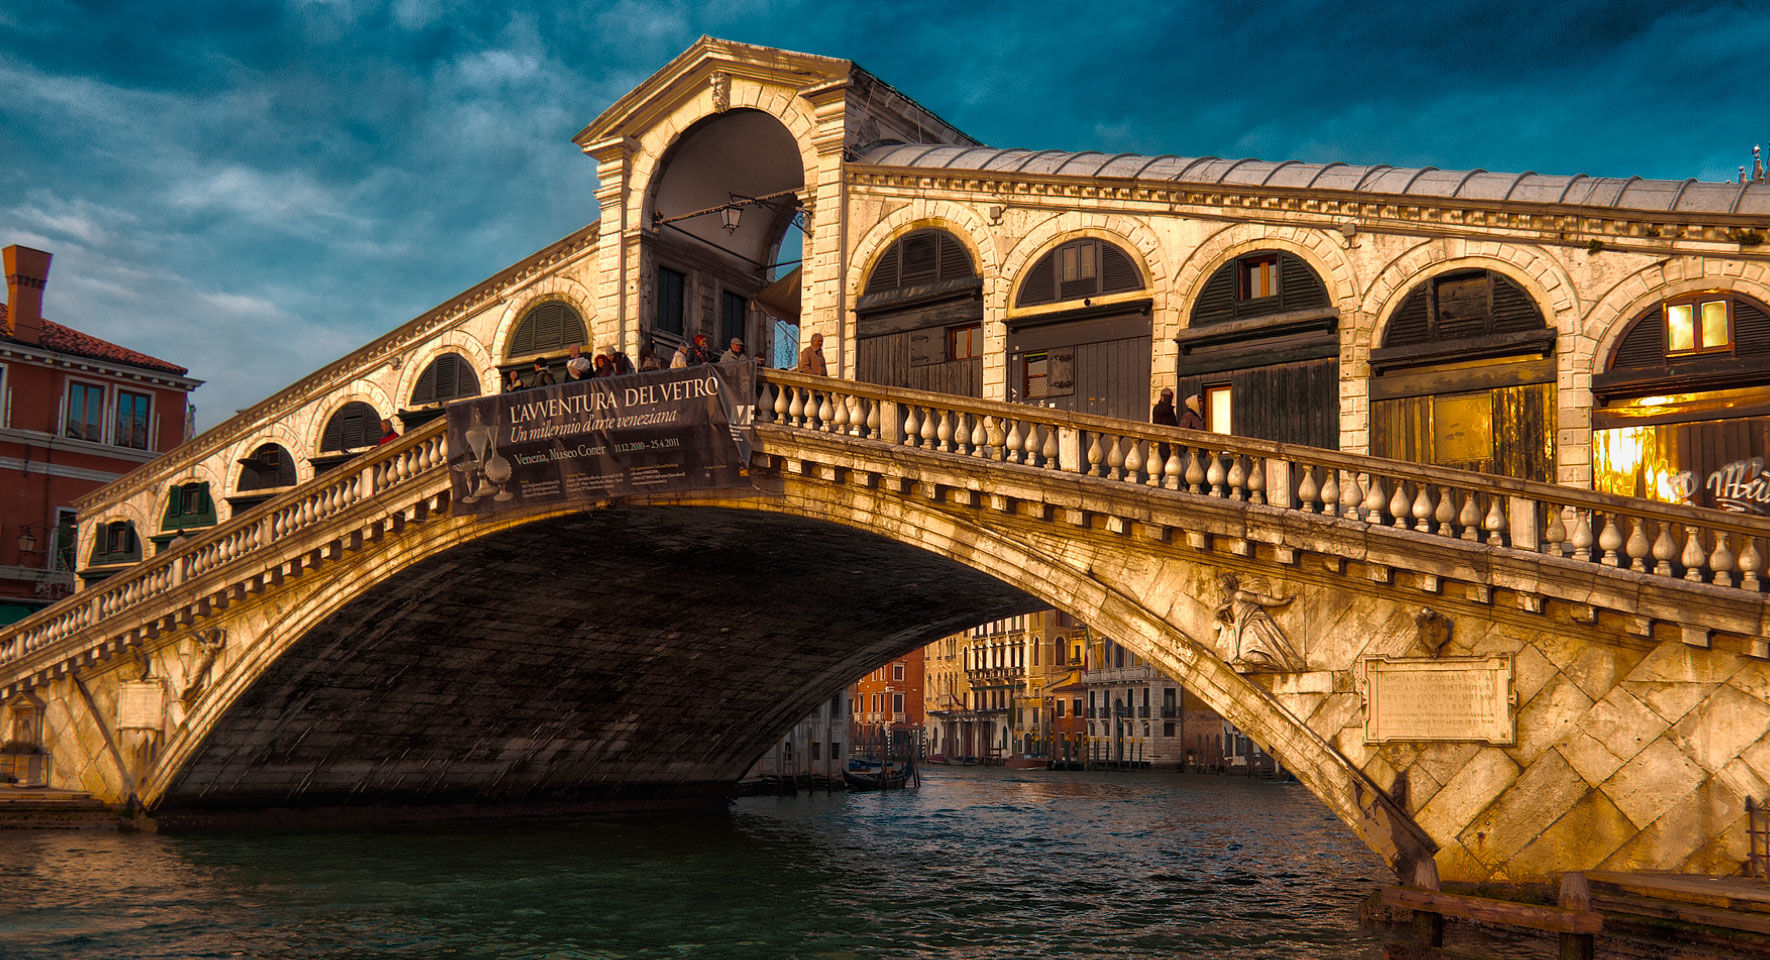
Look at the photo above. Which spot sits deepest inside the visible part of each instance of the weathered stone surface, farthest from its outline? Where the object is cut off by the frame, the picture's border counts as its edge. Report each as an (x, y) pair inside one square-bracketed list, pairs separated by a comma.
[(1544, 793), (1658, 777)]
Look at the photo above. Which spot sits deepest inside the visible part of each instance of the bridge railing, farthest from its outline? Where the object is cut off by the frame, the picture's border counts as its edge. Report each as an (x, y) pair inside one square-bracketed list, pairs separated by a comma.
[(1668, 540), (245, 537)]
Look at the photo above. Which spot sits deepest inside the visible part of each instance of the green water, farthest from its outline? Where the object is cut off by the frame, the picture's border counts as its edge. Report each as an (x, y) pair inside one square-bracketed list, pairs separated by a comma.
[(979, 862)]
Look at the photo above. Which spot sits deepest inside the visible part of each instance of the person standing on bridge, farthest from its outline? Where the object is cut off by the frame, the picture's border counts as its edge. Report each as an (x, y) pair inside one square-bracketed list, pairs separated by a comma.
[(578, 367), (513, 381), (1192, 419), (811, 359), (618, 362), (1162, 415), (388, 433), (542, 377), (734, 353)]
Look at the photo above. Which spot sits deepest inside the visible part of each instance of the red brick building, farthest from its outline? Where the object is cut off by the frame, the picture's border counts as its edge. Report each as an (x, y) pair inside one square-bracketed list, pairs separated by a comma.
[(888, 706), (76, 412)]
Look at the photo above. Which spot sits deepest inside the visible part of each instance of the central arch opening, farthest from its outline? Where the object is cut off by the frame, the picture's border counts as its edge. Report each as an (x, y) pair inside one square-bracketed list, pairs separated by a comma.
[(725, 212)]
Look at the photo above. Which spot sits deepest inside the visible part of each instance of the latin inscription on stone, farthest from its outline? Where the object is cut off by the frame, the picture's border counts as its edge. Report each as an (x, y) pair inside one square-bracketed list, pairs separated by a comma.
[(1453, 698), (141, 705)]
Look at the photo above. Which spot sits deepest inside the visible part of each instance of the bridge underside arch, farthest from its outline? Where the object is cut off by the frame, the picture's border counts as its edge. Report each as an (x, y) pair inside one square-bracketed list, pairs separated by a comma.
[(653, 651)]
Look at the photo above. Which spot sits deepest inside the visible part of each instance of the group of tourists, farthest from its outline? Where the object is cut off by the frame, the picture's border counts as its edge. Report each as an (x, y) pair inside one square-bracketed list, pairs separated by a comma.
[(1164, 415), (609, 362)]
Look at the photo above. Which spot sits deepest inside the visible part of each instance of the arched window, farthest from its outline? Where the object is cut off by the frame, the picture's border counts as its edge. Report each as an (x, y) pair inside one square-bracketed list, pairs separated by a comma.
[(269, 467), (355, 425), (115, 542), (1432, 402), (1463, 305), (1079, 269), (548, 327), (1683, 412), (921, 317), (929, 256), (1261, 352), (448, 377)]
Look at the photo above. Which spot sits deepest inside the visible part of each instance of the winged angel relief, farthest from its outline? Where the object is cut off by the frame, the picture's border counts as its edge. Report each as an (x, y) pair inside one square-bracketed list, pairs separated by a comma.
[(1247, 636)]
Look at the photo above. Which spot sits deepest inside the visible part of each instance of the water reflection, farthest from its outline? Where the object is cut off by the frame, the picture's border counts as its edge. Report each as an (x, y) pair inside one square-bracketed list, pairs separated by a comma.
[(978, 863)]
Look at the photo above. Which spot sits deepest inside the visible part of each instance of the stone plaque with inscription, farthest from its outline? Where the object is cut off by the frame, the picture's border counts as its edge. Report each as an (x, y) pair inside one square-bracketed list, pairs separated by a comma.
[(1450, 698), (141, 705)]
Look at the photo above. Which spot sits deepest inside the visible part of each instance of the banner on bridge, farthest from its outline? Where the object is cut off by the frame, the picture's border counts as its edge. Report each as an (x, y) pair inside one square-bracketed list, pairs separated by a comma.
[(655, 432)]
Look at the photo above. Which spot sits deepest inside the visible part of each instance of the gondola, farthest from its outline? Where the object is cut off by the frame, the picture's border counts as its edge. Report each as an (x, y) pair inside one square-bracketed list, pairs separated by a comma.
[(872, 776)]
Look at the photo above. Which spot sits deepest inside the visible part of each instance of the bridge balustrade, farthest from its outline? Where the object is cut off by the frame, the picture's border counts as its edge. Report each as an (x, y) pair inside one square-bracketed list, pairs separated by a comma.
[(1666, 540), (247, 537), (1675, 542)]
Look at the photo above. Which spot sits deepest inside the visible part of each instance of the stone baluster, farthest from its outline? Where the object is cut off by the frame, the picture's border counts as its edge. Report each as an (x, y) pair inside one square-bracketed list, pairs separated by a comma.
[(1555, 533), (874, 421), (995, 437), (1581, 538), (1172, 471), (783, 402), (837, 421), (1374, 500), (1330, 491), (825, 413), (945, 431), (1470, 517), (1495, 521), (1694, 555), (1236, 478), (1610, 540), (1256, 480), (1051, 448), (1352, 495), (912, 426), (1446, 514), (1750, 562), (1307, 491), (1133, 461), (1422, 508), (1195, 470), (1637, 546), (979, 436), (796, 409), (1115, 461), (1721, 562), (1154, 463), (1400, 506), (1013, 452), (1215, 474), (1095, 454)]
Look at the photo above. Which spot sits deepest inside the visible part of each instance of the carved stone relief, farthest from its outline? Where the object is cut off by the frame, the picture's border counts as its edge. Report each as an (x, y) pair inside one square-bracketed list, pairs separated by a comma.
[(1247, 635)]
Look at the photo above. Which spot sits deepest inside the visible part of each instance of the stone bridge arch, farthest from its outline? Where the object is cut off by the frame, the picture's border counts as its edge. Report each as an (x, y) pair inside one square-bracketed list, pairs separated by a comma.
[(915, 554)]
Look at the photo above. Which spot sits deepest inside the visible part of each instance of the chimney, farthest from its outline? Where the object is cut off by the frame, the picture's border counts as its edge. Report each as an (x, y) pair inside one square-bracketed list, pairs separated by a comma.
[(27, 271)]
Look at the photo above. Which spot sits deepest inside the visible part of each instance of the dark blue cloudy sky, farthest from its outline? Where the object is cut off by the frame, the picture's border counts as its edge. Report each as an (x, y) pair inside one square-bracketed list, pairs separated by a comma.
[(253, 189)]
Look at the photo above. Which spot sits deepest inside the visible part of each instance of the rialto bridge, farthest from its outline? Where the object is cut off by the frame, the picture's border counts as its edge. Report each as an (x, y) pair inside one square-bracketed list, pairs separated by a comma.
[(1473, 667)]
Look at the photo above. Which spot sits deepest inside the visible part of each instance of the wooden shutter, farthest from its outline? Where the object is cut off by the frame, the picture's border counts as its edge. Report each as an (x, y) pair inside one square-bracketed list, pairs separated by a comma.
[(1644, 344), (356, 424), (1118, 272), (1409, 323), (553, 325), (1298, 286), (1513, 309), (1216, 302), (1751, 329), (1040, 285)]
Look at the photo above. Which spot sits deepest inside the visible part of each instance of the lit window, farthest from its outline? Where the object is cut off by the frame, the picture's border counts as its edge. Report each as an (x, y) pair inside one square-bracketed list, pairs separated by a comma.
[(1217, 410), (1259, 278), (1038, 370), (132, 420), (1698, 326), (85, 408), (964, 343)]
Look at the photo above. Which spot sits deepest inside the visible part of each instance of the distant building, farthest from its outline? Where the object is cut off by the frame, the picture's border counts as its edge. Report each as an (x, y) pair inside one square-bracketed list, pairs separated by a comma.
[(76, 412), (888, 707), (815, 748)]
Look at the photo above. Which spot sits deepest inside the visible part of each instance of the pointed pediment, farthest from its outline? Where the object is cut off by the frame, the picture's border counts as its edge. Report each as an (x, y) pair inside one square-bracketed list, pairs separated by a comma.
[(684, 78)]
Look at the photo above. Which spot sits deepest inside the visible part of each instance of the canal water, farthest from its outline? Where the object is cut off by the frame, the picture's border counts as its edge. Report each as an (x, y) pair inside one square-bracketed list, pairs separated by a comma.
[(979, 862)]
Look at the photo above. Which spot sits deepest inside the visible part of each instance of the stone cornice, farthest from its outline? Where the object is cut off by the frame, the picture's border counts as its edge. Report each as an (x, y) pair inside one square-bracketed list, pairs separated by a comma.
[(13, 350), (1643, 231), (377, 351)]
